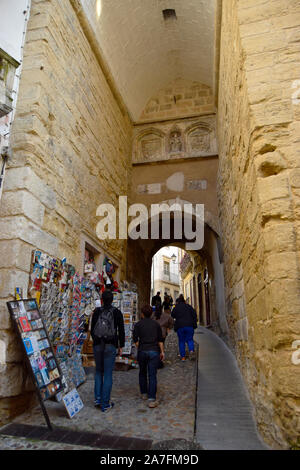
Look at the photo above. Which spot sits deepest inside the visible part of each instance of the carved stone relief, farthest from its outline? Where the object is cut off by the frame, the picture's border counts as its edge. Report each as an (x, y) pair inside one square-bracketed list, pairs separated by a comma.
[(199, 140), (151, 147), (175, 142), (169, 140)]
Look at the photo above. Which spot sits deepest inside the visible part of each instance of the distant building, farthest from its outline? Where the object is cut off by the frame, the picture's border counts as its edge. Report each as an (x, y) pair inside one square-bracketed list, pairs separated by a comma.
[(165, 273)]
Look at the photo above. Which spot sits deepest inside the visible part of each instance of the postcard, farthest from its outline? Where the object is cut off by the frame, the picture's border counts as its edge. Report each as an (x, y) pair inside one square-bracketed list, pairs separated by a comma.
[(57, 384), (34, 315), (41, 362), (72, 402), (33, 325), (39, 323), (42, 334), (45, 393), (31, 305), (14, 305), (34, 364), (39, 379), (51, 389), (45, 375), (22, 308), (52, 364), (35, 344), (46, 354), (28, 345), (56, 373)]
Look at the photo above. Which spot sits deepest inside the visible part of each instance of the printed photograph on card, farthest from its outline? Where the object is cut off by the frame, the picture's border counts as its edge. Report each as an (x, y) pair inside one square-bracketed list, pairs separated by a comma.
[(39, 379), (45, 393), (45, 375), (42, 334), (41, 362), (34, 314), (34, 364), (28, 345), (73, 403), (31, 305), (51, 389), (24, 323), (52, 364), (22, 309)]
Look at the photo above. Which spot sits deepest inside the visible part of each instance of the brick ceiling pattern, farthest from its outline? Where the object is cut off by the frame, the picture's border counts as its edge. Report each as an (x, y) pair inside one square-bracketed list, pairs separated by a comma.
[(144, 52)]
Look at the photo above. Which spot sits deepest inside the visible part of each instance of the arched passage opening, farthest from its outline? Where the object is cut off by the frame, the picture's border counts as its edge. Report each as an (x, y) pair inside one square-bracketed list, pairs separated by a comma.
[(201, 272)]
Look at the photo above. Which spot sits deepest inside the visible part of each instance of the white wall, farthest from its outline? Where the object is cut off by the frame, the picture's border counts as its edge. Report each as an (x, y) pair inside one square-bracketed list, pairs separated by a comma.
[(12, 21), (12, 30)]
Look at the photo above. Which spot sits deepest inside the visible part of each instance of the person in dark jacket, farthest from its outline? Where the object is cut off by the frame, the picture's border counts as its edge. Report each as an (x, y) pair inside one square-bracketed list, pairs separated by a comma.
[(105, 351), (185, 323), (148, 338), (156, 300), (167, 303)]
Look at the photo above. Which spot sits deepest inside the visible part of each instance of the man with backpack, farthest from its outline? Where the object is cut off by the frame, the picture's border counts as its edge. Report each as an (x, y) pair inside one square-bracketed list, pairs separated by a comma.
[(107, 331)]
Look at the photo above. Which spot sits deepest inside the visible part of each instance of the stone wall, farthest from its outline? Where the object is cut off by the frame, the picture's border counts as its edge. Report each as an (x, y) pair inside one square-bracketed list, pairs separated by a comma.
[(71, 151), (259, 200), (180, 98)]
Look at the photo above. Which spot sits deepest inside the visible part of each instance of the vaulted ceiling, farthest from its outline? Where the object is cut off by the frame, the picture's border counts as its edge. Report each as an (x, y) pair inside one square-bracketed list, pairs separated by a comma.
[(145, 51)]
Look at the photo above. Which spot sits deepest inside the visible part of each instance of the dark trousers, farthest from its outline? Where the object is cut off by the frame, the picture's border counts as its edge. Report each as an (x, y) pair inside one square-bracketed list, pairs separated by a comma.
[(104, 373), (148, 362)]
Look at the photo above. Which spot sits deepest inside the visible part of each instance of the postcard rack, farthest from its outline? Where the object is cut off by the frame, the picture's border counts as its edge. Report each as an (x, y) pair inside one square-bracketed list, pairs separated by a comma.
[(40, 358)]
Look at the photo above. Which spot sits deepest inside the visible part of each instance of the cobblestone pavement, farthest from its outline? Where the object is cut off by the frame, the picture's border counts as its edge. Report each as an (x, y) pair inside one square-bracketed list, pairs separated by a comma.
[(21, 443), (173, 419)]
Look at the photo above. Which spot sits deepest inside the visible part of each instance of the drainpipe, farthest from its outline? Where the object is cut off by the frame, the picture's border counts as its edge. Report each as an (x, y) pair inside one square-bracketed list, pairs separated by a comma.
[(5, 149)]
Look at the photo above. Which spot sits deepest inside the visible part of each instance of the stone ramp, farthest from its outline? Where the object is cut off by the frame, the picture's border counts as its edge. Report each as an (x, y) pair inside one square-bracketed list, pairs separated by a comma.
[(224, 416)]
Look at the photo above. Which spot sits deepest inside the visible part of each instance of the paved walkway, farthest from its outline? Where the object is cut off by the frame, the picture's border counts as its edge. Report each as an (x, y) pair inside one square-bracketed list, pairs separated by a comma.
[(224, 418), (131, 417)]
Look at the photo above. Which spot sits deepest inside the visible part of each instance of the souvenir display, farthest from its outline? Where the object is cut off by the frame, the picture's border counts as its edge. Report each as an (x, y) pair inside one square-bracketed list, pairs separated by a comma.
[(72, 402), (129, 310), (35, 340), (67, 301), (37, 348)]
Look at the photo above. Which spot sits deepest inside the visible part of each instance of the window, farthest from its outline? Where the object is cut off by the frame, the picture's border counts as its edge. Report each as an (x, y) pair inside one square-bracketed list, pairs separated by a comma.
[(169, 14), (166, 268)]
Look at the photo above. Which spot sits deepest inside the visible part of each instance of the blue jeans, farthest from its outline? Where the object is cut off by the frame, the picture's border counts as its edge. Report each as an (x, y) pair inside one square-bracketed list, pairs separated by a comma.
[(185, 335), (148, 362), (104, 380)]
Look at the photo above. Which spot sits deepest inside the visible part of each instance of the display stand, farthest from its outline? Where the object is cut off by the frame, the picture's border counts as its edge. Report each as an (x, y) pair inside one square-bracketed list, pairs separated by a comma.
[(39, 354)]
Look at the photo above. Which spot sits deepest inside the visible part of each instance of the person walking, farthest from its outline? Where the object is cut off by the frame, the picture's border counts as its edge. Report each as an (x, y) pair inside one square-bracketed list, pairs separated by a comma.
[(148, 338), (108, 334), (166, 323), (185, 318), (156, 300), (168, 301)]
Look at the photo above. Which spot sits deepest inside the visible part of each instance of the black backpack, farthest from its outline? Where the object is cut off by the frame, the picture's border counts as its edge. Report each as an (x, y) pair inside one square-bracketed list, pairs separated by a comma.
[(105, 326)]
